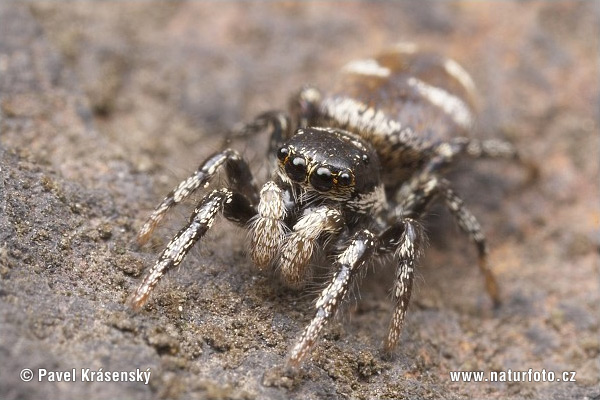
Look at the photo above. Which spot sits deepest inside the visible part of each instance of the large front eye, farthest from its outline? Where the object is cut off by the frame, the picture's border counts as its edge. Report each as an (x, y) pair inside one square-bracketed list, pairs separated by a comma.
[(296, 169), (283, 153), (321, 179)]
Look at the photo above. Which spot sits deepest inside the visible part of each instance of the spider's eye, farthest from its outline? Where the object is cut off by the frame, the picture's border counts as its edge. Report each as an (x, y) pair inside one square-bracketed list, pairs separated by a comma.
[(283, 153), (321, 179), (344, 178), (296, 169)]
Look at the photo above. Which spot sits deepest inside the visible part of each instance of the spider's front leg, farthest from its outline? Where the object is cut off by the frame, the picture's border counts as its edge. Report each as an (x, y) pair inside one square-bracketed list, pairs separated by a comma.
[(403, 239), (238, 174), (355, 256), (234, 206)]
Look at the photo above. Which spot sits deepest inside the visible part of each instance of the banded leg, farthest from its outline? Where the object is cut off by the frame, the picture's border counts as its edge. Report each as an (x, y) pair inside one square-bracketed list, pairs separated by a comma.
[(278, 122), (420, 192), (351, 261), (469, 224), (415, 196), (404, 239), (235, 207), (304, 106), (497, 148), (446, 152), (298, 248), (238, 174), (489, 148)]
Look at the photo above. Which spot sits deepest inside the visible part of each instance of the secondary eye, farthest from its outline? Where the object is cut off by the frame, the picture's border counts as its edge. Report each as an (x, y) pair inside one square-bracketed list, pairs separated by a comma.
[(344, 178), (283, 153), (321, 179), (296, 169)]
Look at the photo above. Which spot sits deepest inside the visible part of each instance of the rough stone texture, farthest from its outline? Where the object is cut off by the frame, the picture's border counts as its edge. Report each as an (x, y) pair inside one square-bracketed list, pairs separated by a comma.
[(105, 107)]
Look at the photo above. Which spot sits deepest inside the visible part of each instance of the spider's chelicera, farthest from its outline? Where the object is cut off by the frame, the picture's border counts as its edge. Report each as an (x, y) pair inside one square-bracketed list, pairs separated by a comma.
[(354, 171)]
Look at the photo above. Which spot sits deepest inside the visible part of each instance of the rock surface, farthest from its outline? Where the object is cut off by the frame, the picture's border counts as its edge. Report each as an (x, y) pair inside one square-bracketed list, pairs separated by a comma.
[(105, 107)]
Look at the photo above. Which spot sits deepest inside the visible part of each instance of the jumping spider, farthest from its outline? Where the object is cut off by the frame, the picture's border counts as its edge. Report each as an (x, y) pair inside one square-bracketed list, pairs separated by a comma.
[(354, 172)]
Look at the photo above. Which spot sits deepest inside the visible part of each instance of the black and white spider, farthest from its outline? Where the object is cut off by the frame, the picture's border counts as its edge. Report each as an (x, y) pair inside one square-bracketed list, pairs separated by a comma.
[(354, 172)]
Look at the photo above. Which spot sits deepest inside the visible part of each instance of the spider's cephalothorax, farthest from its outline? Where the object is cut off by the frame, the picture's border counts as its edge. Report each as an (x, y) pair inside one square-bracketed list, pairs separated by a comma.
[(354, 171)]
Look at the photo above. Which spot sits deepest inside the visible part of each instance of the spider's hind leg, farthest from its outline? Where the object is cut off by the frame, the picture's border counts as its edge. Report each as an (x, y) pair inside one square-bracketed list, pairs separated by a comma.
[(234, 206), (446, 153), (469, 224), (416, 195)]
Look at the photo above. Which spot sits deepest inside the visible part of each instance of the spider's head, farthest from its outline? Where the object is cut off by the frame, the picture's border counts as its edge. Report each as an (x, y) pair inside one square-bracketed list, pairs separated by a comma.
[(331, 161)]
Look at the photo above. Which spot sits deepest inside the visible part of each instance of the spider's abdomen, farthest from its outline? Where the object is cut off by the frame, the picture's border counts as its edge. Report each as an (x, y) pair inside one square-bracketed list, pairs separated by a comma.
[(402, 96)]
